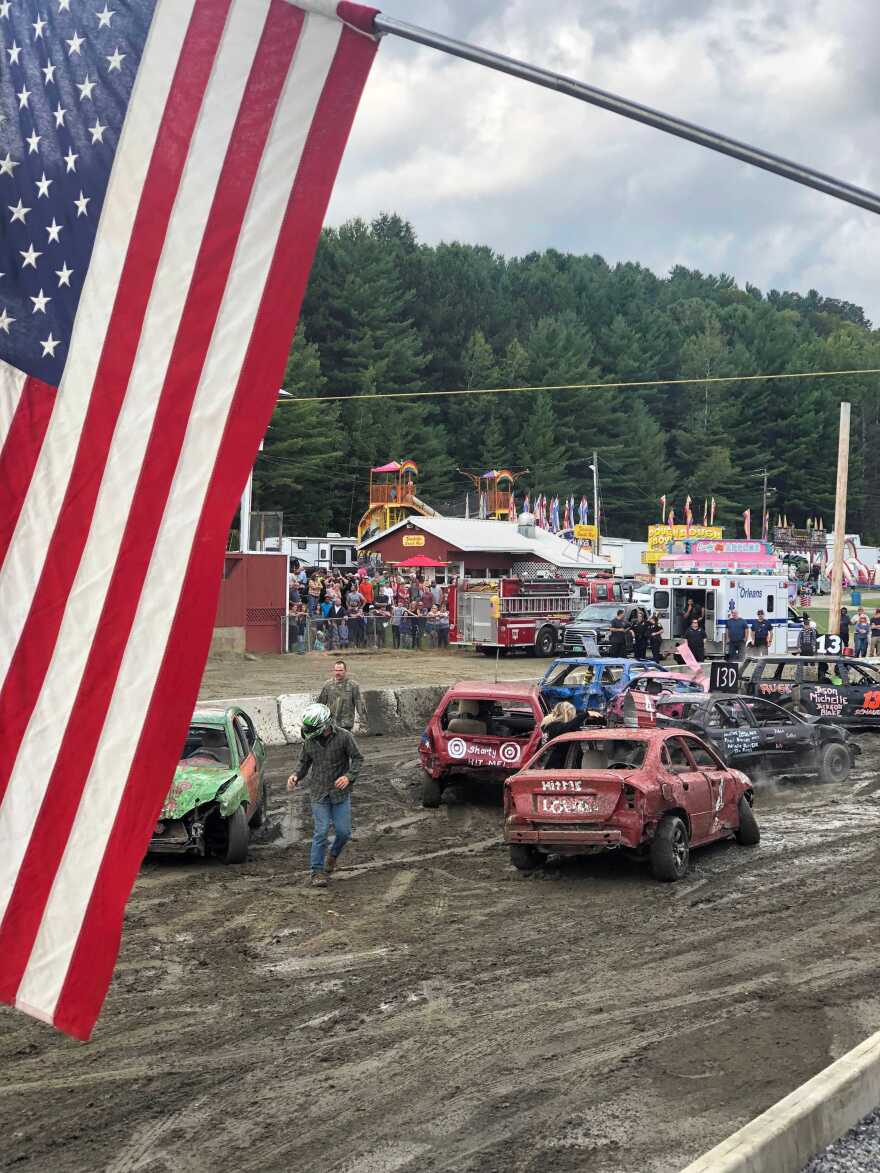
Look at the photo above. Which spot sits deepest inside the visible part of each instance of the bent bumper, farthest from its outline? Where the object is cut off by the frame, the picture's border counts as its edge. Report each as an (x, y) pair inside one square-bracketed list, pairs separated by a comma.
[(175, 839), (600, 837)]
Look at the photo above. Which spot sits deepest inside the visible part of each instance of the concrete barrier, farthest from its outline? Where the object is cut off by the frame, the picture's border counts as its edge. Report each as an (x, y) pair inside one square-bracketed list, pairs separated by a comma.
[(787, 1136), (263, 711), (291, 707), (390, 712)]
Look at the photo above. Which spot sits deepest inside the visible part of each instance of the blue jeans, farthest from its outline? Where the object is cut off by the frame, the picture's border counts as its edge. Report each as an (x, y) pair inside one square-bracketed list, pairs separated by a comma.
[(861, 645), (324, 813)]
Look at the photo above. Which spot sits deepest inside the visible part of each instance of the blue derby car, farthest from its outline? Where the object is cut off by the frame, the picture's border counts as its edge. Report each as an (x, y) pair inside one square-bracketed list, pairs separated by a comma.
[(590, 682)]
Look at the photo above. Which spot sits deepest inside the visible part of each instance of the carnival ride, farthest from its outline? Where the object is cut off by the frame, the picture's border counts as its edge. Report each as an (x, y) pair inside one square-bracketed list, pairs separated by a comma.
[(392, 498), (495, 492)]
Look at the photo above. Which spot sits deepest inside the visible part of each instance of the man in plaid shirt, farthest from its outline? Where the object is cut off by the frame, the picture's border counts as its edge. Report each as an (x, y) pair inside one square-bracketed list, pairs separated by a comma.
[(331, 759)]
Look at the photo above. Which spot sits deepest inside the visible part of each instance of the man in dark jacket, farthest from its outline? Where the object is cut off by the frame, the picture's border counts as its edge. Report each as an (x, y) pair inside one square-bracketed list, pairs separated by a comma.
[(736, 635), (844, 626), (331, 760), (696, 640), (762, 633), (617, 635)]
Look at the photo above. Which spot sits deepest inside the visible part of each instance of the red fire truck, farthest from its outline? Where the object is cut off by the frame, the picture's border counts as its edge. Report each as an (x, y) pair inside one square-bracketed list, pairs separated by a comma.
[(519, 613)]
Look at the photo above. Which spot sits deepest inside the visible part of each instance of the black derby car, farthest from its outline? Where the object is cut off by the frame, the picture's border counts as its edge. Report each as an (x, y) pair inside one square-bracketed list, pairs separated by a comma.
[(755, 735)]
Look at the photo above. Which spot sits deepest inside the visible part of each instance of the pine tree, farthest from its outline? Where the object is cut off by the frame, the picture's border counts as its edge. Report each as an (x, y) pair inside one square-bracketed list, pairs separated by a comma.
[(302, 445)]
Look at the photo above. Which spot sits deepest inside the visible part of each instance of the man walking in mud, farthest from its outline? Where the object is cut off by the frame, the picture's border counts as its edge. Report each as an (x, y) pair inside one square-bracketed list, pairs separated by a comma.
[(331, 760), (342, 696)]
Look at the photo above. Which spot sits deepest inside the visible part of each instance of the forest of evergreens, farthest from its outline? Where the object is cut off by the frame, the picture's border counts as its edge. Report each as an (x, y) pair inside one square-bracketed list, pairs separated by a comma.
[(386, 313)]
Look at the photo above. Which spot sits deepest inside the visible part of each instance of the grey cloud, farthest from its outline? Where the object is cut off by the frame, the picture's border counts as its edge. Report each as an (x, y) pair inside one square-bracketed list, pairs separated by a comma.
[(466, 153)]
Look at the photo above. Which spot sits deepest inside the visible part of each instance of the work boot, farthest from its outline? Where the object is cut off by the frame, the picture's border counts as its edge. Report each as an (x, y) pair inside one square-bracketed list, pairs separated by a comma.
[(330, 864), (319, 880)]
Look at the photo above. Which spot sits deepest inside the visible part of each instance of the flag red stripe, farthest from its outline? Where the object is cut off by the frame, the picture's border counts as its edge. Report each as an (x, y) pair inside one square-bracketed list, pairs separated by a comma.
[(32, 657), (18, 457), (34, 881), (178, 681), (357, 15)]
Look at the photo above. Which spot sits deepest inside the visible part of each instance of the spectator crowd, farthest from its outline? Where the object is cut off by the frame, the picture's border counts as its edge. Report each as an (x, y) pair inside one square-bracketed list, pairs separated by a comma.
[(332, 610)]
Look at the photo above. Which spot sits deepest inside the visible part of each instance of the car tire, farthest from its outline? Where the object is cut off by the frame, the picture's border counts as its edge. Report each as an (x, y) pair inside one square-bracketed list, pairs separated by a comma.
[(670, 850), (524, 857), (432, 792), (835, 762), (259, 815), (237, 837), (545, 644), (748, 833)]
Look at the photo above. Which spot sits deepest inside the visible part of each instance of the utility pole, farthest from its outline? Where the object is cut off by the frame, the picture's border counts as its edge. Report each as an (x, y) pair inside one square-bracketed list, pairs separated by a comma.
[(839, 521), (596, 497), (767, 490)]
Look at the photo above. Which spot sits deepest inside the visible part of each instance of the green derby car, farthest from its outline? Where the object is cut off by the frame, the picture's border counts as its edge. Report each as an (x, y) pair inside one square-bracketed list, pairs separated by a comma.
[(219, 789)]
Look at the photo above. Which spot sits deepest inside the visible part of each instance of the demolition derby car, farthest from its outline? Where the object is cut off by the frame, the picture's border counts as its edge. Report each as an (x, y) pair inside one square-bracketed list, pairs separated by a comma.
[(655, 793), (837, 690), (219, 789), (658, 682), (479, 730), (753, 735), (588, 682)]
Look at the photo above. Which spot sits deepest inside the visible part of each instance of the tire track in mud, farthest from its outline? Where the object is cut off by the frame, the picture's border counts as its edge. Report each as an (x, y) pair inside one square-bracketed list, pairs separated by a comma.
[(436, 1010)]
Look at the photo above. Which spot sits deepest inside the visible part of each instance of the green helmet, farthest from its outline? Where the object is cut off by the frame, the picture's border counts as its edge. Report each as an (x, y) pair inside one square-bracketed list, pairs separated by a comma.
[(315, 720)]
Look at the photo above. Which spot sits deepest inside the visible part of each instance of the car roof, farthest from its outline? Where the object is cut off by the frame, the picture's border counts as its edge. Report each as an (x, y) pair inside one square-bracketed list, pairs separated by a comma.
[(644, 734), (211, 716), (480, 689), (604, 660)]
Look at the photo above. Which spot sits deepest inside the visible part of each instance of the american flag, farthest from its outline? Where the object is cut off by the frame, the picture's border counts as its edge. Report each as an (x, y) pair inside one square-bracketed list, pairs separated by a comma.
[(165, 166)]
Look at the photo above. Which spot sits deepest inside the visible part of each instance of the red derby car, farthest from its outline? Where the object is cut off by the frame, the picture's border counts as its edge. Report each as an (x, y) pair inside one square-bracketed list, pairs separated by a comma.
[(653, 792), (479, 730)]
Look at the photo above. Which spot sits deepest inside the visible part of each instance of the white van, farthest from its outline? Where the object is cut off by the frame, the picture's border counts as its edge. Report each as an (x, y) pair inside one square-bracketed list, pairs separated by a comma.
[(719, 593)]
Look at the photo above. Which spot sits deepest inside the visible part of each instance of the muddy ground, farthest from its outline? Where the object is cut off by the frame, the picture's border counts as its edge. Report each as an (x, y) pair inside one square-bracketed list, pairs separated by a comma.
[(237, 676), (436, 1011)]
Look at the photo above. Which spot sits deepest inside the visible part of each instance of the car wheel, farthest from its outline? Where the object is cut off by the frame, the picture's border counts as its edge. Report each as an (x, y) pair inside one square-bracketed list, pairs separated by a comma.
[(546, 642), (432, 792), (748, 833), (670, 850), (834, 763), (524, 857), (259, 815), (235, 846)]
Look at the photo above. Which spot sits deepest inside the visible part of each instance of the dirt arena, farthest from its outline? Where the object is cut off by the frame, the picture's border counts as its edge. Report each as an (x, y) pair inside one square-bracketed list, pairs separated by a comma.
[(436, 1011)]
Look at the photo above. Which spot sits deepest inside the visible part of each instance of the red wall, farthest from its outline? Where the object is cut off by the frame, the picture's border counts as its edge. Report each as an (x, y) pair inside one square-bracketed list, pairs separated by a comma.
[(253, 595)]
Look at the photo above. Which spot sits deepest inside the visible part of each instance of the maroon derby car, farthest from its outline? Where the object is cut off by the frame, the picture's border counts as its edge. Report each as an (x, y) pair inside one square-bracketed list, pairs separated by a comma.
[(479, 731), (653, 792)]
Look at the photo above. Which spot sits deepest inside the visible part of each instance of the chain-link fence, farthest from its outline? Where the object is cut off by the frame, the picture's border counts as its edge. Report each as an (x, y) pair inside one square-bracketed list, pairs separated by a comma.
[(309, 633)]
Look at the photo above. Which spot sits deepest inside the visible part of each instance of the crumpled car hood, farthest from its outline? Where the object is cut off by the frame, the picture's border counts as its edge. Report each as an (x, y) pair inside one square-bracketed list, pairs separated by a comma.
[(194, 785)]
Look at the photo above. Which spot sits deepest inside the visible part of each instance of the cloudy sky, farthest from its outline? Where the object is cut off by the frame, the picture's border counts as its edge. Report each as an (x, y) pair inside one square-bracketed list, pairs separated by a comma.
[(468, 154)]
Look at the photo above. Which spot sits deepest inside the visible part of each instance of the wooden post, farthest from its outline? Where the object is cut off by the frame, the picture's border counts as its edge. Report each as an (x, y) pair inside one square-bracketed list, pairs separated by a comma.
[(839, 522)]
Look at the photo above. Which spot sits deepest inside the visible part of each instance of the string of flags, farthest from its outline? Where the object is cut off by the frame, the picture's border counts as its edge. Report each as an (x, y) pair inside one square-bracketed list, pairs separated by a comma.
[(558, 515)]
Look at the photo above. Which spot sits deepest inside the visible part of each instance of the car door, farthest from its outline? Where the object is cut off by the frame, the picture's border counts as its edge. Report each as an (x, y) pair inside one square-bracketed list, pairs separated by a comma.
[(860, 691), (731, 731), (781, 745), (696, 785), (721, 789), (247, 761)]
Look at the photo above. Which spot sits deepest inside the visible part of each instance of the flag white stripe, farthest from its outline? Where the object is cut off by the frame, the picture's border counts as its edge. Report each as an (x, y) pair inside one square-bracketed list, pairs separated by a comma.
[(21, 570), (47, 727), (11, 382), (71, 891)]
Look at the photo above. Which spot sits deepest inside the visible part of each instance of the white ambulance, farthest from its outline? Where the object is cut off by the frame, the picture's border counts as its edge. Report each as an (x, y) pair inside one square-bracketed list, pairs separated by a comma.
[(721, 577)]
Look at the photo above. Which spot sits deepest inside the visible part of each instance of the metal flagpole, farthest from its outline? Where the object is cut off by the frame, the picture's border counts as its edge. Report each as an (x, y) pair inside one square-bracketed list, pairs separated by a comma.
[(797, 172)]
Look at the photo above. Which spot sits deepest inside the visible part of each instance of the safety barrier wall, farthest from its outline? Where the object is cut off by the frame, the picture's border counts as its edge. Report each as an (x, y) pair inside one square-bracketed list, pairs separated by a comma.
[(390, 711)]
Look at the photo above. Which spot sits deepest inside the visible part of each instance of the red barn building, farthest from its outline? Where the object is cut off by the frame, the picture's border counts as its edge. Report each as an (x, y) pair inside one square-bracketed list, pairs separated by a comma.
[(474, 548)]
